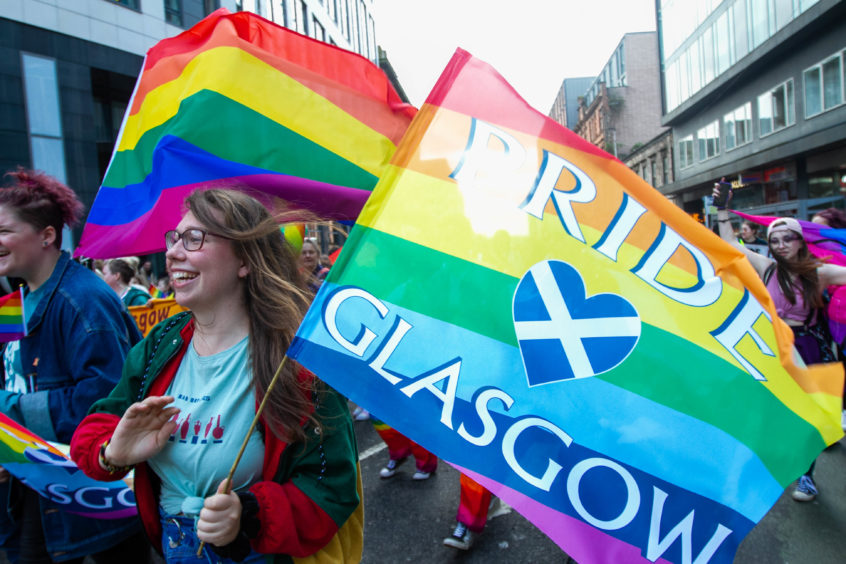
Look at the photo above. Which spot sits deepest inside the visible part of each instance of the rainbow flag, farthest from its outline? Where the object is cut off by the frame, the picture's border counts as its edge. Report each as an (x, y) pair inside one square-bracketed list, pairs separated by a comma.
[(823, 241), (46, 469), (522, 304), (238, 100), (12, 318)]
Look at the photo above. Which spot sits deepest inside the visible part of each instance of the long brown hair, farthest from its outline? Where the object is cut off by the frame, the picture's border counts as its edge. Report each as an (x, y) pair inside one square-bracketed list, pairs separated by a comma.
[(275, 295), (799, 275)]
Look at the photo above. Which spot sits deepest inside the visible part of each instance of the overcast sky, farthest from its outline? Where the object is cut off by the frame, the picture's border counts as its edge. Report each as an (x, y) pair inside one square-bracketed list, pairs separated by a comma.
[(534, 44)]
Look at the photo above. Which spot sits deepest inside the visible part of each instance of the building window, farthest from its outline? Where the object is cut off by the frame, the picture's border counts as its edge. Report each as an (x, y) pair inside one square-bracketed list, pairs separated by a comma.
[(708, 140), (210, 6), (685, 152), (318, 29), (775, 109), (665, 167), (738, 126), (173, 12), (44, 115), (304, 15), (652, 172), (759, 21), (823, 86), (128, 3)]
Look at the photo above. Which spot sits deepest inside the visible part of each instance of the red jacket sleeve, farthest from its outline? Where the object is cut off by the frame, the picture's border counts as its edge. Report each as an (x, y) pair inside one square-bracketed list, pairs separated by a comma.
[(94, 430), (291, 523)]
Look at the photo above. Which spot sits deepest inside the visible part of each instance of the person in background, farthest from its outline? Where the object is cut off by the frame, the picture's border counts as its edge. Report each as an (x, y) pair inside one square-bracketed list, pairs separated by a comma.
[(78, 336), (475, 505), (145, 275), (831, 217), (400, 448), (836, 219), (118, 275), (796, 280), (310, 259), (749, 238), (189, 393), (163, 288)]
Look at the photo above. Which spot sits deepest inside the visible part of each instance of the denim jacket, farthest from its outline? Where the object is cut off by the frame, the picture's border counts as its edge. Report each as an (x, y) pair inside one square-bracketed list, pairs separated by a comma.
[(77, 340)]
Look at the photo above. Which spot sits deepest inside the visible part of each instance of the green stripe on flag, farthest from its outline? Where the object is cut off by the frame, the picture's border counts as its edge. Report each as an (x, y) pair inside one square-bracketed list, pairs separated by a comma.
[(433, 283), (663, 368), (200, 121)]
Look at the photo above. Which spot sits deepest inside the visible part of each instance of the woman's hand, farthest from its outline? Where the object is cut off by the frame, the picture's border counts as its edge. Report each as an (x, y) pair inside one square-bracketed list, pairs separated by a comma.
[(142, 431), (220, 518)]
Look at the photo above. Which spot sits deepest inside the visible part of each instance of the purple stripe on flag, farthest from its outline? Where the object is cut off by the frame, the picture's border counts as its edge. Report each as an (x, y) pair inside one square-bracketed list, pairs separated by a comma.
[(118, 514), (145, 235), (581, 541)]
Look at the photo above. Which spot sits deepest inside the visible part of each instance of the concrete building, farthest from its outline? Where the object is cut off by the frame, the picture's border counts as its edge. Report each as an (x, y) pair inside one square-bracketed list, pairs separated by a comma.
[(653, 161), (68, 68), (754, 91), (621, 110), (565, 107)]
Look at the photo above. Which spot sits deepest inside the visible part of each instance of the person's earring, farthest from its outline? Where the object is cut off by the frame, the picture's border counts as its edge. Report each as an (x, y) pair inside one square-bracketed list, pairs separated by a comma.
[(44, 243)]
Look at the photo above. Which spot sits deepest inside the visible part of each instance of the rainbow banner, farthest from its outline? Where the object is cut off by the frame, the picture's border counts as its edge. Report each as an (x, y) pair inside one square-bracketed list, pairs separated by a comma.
[(47, 470), (523, 305), (12, 317), (240, 101)]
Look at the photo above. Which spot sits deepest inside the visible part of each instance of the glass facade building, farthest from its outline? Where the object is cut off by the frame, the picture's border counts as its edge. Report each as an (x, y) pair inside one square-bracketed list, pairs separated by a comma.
[(754, 91)]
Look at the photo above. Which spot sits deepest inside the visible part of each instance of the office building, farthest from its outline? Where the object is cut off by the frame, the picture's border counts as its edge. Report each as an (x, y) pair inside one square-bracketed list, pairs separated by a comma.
[(754, 91)]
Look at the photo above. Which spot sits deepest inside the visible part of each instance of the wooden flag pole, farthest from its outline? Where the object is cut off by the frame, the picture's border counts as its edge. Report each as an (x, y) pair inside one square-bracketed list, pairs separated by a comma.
[(249, 433)]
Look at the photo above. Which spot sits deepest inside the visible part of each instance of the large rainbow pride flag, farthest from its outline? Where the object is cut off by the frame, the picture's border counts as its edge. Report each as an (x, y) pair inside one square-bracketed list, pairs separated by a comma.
[(525, 306), (239, 100)]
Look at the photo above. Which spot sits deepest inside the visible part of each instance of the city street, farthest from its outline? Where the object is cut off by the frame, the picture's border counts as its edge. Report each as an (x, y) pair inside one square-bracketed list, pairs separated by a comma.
[(406, 521)]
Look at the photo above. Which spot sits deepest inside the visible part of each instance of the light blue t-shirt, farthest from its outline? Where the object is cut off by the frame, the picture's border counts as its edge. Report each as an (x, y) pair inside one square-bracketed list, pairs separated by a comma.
[(16, 380), (217, 404)]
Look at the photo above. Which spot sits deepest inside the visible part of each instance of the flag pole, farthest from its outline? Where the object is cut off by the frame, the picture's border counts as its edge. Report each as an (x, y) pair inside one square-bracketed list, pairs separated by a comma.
[(249, 433)]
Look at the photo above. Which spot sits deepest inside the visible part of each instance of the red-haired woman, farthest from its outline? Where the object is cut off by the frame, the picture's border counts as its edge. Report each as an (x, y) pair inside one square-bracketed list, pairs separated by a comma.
[(78, 336)]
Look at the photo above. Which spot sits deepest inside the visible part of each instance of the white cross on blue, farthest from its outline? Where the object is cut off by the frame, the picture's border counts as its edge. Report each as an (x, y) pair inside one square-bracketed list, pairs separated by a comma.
[(562, 333)]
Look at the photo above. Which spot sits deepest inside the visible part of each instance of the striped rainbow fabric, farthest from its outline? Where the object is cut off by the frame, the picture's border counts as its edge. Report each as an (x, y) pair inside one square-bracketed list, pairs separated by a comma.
[(523, 305), (12, 318), (238, 100)]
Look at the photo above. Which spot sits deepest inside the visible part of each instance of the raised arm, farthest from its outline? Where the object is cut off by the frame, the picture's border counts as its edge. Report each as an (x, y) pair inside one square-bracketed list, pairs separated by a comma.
[(832, 275), (759, 262)]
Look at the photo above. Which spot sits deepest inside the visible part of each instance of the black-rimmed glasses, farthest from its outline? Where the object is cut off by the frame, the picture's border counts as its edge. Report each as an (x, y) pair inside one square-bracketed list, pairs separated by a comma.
[(192, 239)]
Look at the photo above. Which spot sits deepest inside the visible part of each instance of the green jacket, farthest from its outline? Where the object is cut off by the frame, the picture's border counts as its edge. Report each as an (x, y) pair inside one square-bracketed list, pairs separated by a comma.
[(310, 494)]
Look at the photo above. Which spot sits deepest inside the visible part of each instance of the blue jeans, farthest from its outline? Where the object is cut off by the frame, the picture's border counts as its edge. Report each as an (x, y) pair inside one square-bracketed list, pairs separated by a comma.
[(180, 543)]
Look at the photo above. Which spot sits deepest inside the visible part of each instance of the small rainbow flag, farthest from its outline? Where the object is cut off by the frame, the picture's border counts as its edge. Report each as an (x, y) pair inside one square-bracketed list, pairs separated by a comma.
[(523, 305), (12, 318), (238, 100), (47, 470)]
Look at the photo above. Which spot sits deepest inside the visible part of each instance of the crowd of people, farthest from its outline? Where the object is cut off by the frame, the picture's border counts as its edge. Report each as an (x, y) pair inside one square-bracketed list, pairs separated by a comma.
[(213, 384)]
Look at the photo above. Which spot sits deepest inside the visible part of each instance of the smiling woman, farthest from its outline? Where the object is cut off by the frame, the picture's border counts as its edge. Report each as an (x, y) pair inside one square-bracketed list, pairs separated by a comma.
[(71, 356), (796, 280), (189, 393)]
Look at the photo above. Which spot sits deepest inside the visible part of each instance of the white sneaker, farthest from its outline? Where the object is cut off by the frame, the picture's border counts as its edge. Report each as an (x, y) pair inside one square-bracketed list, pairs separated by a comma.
[(390, 468), (421, 475), (360, 414), (462, 538)]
